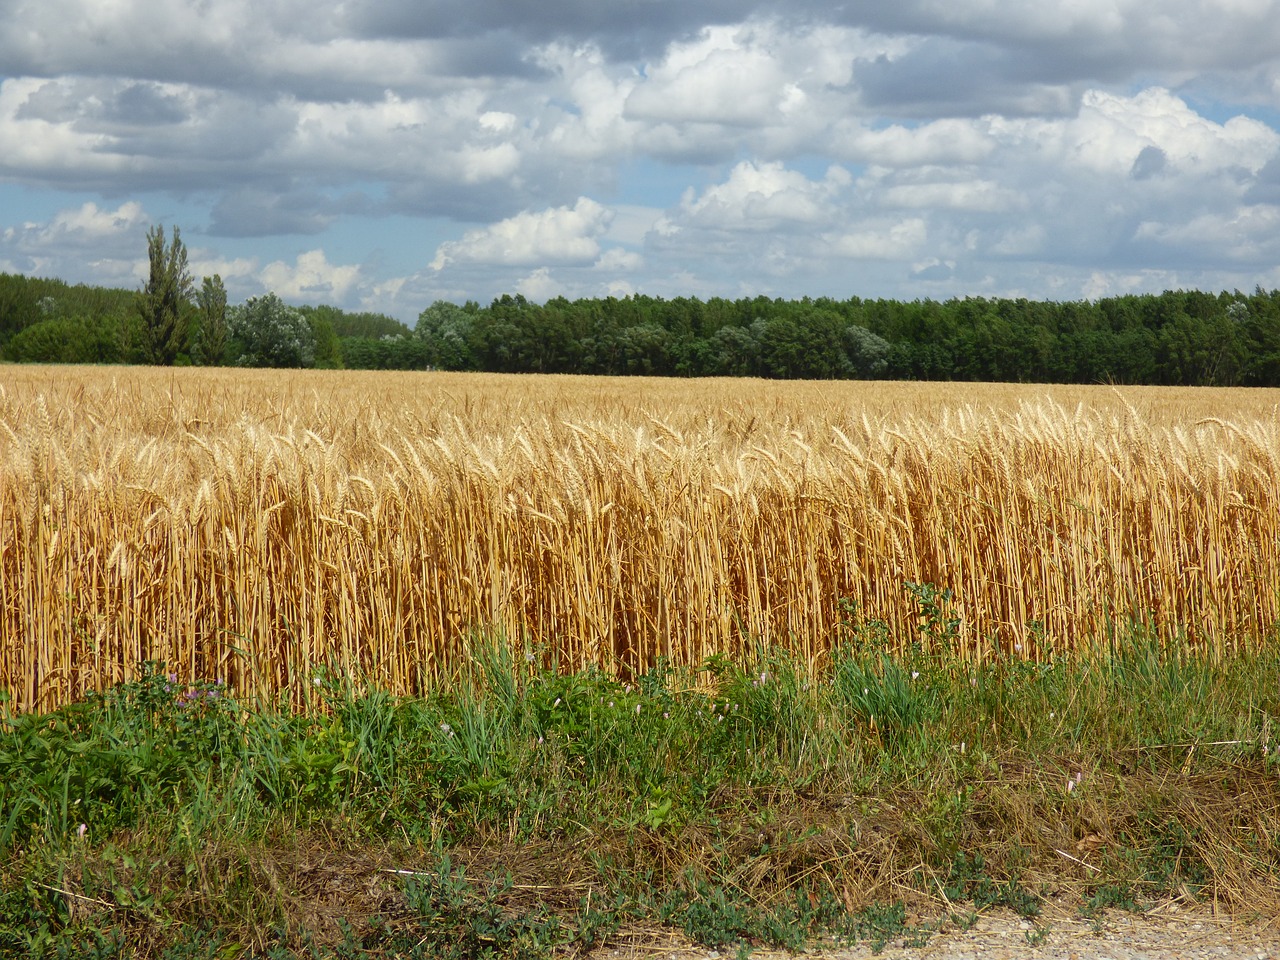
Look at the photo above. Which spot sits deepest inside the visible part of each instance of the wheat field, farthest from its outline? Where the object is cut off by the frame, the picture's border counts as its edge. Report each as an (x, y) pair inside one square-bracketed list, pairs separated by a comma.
[(256, 526)]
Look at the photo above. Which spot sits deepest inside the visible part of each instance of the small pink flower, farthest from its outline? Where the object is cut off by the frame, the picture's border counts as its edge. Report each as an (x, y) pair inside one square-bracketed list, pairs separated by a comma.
[(82, 830)]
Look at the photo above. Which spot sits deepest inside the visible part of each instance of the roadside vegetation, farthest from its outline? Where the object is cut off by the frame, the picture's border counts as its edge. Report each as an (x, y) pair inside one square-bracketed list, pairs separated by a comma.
[(516, 810)]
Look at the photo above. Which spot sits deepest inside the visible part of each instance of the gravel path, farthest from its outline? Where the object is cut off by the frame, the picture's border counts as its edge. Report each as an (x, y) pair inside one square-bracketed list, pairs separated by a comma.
[(1164, 934)]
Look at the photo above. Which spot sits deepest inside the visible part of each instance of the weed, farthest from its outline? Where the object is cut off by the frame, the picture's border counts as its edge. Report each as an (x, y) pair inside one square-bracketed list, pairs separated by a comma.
[(1109, 896), (745, 801), (968, 881), (459, 921), (1038, 934)]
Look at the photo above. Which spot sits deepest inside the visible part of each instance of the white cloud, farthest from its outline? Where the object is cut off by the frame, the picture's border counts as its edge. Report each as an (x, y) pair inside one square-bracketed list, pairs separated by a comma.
[(88, 241), (235, 270), (724, 77), (794, 148), (498, 121), (880, 240), (311, 278), (89, 225), (539, 286), (42, 150), (949, 141), (557, 235), (766, 196), (616, 259), (1250, 234), (967, 195)]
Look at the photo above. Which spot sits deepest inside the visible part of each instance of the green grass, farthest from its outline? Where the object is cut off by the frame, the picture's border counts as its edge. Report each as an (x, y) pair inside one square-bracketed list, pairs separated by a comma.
[(521, 812)]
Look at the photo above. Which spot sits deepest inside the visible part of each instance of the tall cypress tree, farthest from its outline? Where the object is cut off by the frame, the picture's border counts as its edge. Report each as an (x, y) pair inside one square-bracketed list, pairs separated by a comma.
[(162, 300), (212, 300)]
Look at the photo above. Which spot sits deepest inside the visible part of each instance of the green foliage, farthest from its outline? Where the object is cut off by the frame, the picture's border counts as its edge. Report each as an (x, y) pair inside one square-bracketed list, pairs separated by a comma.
[(211, 343), (78, 324), (718, 914), (66, 340), (459, 922), (939, 623), (448, 333), (884, 695), (1177, 337), (358, 324), (1109, 896), (102, 762), (328, 352), (266, 332), (163, 303), (968, 881), (749, 800)]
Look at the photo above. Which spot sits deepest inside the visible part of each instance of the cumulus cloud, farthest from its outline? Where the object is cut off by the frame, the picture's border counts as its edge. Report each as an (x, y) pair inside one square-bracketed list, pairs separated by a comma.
[(699, 146), (558, 235), (311, 278), (618, 260), (880, 240), (725, 77), (81, 243), (86, 225), (766, 197), (539, 285)]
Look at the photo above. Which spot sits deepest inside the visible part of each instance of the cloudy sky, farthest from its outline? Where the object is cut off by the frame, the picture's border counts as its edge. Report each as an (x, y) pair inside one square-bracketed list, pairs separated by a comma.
[(382, 154)]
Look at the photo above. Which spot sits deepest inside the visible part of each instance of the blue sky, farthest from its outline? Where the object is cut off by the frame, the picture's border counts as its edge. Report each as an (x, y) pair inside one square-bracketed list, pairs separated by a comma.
[(382, 154)]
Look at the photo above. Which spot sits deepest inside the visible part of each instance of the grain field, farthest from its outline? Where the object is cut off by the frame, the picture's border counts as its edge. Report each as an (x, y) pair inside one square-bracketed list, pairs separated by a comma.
[(256, 525)]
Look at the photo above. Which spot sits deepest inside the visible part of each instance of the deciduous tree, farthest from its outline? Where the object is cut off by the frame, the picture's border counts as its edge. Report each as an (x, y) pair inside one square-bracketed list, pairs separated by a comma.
[(271, 333)]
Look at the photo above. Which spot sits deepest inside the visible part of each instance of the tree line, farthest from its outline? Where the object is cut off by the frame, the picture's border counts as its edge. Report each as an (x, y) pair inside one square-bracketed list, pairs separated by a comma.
[(1176, 337), (169, 321)]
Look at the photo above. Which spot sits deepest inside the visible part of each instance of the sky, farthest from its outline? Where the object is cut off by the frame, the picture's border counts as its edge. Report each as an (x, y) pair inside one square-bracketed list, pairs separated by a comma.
[(383, 154)]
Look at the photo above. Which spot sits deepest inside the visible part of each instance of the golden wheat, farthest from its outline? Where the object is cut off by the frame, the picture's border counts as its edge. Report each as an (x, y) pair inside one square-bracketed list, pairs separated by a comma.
[(255, 526)]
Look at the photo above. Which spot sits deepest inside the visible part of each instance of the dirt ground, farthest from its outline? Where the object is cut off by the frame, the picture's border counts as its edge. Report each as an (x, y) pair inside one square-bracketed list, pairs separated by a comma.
[(1164, 933)]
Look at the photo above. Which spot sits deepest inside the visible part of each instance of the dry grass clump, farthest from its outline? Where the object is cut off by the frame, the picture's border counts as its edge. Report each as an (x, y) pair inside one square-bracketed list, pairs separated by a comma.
[(255, 525)]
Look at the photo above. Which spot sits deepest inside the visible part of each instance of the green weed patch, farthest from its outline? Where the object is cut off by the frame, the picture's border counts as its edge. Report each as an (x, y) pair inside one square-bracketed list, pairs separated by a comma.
[(519, 812)]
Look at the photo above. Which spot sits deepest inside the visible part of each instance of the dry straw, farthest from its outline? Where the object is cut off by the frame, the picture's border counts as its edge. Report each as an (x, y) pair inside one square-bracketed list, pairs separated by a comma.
[(256, 526)]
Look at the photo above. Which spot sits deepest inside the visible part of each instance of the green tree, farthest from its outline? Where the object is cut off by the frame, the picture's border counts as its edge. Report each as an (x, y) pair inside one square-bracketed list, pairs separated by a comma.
[(448, 331), (867, 354), (736, 350), (163, 300), (64, 340), (267, 332), (212, 301), (328, 352)]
